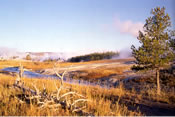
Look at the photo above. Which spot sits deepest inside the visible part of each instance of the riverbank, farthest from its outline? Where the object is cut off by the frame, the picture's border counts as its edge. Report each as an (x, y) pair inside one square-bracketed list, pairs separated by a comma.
[(113, 101), (120, 92)]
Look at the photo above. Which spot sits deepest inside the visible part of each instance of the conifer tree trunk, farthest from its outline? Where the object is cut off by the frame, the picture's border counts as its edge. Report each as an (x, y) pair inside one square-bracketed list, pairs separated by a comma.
[(158, 81)]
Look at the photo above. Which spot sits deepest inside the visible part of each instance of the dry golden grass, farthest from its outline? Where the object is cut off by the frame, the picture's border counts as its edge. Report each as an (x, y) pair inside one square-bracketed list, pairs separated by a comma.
[(44, 65), (101, 72), (26, 64), (104, 72), (164, 97), (99, 104), (102, 102)]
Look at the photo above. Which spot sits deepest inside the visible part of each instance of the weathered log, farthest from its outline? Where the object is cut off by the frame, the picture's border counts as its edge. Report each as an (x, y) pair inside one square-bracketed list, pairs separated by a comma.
[(67, 100)]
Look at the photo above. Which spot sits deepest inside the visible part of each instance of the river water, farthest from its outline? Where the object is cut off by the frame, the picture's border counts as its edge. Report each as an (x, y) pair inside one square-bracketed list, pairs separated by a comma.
[(102, 82), (30, 74)]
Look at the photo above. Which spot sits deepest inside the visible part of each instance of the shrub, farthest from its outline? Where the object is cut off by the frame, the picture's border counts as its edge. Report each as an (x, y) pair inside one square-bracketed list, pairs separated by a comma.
[(28, 57)]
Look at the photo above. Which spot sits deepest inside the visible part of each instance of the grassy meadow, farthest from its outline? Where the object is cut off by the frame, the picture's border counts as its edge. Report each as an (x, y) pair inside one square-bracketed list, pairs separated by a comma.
[(117, 101), (99, 99)]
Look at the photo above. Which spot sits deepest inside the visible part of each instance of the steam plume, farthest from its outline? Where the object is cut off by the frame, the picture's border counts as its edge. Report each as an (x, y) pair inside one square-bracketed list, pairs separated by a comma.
[(129, 27)]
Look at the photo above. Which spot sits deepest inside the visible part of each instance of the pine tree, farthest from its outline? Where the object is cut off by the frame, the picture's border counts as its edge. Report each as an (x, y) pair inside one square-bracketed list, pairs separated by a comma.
[(172, 41), (154, 52)]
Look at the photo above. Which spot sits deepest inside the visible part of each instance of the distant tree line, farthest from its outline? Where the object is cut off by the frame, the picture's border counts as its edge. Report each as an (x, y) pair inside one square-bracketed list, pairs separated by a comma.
[(94, 56)]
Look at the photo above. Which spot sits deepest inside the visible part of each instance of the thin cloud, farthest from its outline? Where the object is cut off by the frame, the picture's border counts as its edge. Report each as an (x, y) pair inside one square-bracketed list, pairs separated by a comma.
[(129, 27)]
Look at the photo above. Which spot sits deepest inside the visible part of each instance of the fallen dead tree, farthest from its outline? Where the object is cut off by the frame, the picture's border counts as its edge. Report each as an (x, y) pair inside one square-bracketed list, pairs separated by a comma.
[(70, 100)]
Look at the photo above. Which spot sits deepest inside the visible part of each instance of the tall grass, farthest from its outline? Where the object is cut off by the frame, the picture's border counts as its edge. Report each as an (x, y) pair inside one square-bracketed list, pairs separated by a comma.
[(99, 99)]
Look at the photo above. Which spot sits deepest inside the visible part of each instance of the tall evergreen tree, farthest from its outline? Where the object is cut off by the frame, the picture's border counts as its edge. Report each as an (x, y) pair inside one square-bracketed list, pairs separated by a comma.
[(154, 52), (172, 42)]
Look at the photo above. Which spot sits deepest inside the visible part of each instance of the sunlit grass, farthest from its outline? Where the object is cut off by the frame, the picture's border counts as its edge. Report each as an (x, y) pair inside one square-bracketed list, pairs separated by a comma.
[(102, 101), (43, 65), (104, 72), (99, 102)]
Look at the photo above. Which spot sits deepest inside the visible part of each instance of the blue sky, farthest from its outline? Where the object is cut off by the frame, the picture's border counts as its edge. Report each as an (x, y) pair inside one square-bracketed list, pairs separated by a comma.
[(74, 25)]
